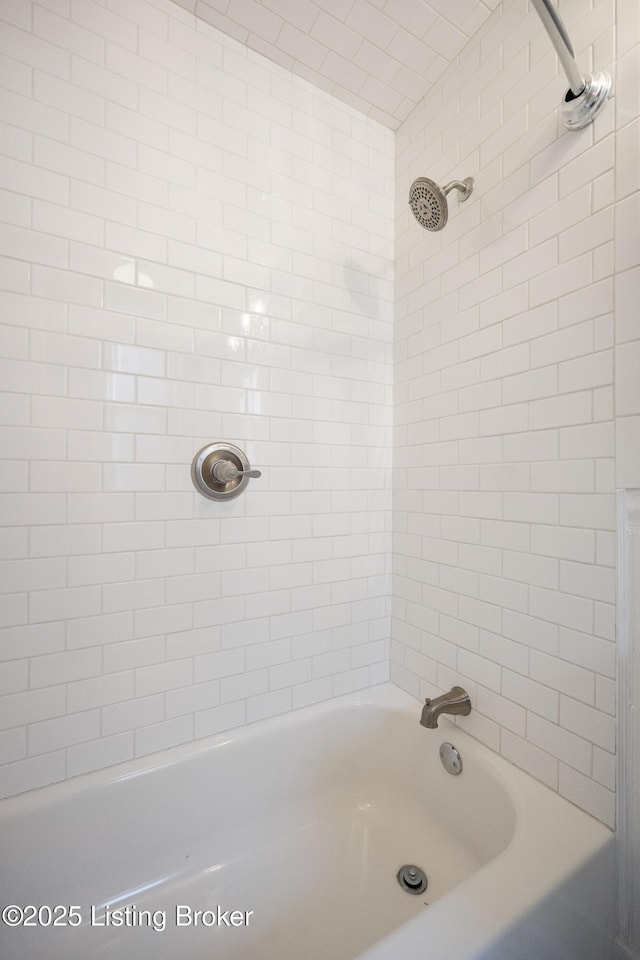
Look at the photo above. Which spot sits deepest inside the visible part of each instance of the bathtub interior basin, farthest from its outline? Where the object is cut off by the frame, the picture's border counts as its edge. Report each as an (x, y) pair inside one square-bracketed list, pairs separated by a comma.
[(279, 841)]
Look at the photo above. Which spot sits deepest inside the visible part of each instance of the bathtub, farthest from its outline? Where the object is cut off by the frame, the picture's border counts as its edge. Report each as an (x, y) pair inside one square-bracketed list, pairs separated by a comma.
[(282, 841)]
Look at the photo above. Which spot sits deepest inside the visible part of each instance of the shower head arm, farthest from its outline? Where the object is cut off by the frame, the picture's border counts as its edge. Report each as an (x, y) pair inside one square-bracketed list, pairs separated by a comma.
[(464, 186)]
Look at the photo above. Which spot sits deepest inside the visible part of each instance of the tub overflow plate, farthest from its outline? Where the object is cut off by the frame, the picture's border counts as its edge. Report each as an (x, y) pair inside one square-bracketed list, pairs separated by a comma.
[(451, 759)]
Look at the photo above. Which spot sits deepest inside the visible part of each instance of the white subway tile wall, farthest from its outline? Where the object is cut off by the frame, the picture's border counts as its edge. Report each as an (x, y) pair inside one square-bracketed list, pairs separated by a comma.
[(506, 415), (195, 245), (380, 56)]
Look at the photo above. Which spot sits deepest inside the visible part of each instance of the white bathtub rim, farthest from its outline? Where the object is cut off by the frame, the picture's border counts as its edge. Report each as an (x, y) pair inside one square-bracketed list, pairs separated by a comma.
[(516, 783), (385, 695), (488, 902)]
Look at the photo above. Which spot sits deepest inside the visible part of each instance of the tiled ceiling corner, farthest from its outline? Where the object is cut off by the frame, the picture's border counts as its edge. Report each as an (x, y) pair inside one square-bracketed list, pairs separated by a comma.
[(380, 56)]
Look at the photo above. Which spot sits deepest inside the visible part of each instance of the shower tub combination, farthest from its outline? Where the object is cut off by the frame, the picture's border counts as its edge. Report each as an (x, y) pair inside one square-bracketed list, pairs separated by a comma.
[(283, 840)]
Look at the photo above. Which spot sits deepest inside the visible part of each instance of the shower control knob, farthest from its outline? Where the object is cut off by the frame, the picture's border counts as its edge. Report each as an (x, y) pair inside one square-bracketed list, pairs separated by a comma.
[(224, 470)]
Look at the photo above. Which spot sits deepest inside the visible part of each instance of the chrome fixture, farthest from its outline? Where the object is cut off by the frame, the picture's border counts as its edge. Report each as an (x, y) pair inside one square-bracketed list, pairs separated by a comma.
[(428, 201), (412, 879), (456, 702), (587, 92), (451, 759), (221, 471)]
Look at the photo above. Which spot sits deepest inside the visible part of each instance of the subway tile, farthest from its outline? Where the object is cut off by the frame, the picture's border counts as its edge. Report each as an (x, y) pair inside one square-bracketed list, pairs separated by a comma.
[(15, 540), (36, 117), (508, 654), (24, 178), (68, 540), (15, 208), (33, 772), (562, 280), (16, 143), (158, 50), (563, 542), (62, 412), (591, 371), (70, 36), (96, 755), (139, 70), (537, 261), (628, 459), (530, 385), (135, 242), (67, 476), (604, 768), (179, 222), (163, 335), (588, 580), (584, 792), (563, 215), (217, 719), (70, 287), (14, 611), (603, 401), (566, 410), (59, 348), (30, 49), (568, 679), (54, 219), (94, 78), (563, 344), (573, 750), (161, 736), (163, 676), (562, 608), (507, 713), (21, 442), (563, 476), (13, 744), (592, 511), (157, 163), (98, 201), (627, 390), (14, 677), (186, 183), (536, 762), (591, 163), (37, 508), (99, 385), (132, 596), (63, 603), (160, 619), (33, 246), (587, 235), (39, 314), (106, 24)]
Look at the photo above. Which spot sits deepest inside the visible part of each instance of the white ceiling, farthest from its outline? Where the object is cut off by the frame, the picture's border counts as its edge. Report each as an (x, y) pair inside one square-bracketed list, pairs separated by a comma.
[(381, 56)]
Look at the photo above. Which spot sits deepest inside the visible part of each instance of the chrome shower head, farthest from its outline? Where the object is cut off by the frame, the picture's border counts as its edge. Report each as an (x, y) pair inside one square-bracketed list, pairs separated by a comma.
[(428, 201)]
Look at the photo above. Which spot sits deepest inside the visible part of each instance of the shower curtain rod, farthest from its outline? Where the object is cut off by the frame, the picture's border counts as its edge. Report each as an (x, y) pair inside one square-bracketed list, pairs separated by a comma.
[(587, 93), (560, 39)]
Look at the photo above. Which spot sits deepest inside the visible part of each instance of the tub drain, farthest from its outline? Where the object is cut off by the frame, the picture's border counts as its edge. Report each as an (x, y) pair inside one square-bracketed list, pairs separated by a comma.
[(412, 878)]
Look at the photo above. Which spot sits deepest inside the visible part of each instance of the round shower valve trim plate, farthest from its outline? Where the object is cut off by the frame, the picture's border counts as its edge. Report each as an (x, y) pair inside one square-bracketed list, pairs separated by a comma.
[(221, 471)]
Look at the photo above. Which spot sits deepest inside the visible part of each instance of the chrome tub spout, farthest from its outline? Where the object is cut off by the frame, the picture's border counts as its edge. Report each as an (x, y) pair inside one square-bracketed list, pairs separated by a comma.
[(455, 702)]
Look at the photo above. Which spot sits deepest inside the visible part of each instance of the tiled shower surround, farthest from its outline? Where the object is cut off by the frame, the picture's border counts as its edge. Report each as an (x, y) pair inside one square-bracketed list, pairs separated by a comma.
[(505, 439), (199, 246), (196, 247)]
